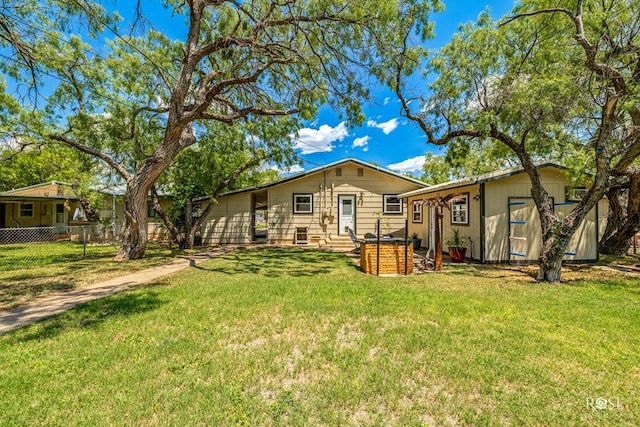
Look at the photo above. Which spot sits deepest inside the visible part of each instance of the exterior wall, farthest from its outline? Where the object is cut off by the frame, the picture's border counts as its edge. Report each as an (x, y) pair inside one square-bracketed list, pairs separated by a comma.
[(42, 213), (518, 187), (496, 226), (603, 217), (229, 221), (471, 230), (326, 187)]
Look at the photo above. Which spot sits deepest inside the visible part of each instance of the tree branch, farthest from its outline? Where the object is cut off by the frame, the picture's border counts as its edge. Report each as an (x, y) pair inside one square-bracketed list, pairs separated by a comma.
[(88, 150)]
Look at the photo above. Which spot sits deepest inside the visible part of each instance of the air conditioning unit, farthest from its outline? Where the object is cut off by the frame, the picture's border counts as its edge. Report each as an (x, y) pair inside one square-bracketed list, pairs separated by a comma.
[(575, 194)]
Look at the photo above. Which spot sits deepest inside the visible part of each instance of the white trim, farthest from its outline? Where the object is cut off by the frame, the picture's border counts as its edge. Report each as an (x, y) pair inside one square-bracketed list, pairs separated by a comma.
[(386, 205), (295, 203)]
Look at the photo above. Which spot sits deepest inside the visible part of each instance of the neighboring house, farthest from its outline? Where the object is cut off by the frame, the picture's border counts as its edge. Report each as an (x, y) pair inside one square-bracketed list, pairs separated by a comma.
[(314, 205), (56, 204), (499, 219), (51, 204)]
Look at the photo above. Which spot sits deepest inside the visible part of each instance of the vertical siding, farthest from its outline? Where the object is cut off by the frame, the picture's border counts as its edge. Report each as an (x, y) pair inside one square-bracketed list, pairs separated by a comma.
[(496, 226), (497, 193), (229, 221), (603, 217)]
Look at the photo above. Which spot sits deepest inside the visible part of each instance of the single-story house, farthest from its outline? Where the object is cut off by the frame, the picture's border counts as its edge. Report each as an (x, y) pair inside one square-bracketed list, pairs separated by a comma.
[(498, 218), (56, 204), (313, 205), (50, 204)]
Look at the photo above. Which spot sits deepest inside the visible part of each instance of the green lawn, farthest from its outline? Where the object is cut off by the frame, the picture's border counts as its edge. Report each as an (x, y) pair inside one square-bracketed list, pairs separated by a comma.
[(29, 271), (293, 337)]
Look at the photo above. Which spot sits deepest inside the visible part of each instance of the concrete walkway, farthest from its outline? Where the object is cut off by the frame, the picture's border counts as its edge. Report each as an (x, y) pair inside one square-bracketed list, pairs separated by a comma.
[(23, 315)]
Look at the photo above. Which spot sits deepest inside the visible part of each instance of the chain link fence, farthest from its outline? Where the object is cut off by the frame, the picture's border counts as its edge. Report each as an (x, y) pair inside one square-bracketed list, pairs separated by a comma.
[(33, 246)]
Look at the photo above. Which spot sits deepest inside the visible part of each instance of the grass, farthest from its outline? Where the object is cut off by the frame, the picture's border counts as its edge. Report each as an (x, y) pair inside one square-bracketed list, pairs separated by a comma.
[(293, 337), (29, 271)]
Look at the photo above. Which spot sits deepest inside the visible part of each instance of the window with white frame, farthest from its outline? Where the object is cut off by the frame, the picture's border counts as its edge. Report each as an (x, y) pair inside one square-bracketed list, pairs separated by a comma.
[(391, 204), (303, 203), (26, 210), (416, 210), (460, 210)]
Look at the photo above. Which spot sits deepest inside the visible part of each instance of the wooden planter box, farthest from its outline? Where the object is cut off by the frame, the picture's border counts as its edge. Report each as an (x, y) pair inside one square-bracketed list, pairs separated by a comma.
[(392, 255)]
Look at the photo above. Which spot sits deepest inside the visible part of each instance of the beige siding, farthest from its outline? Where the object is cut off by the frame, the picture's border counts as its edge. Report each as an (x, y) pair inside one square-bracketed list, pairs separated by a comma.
[(496, 233), (229, 221), (603, 217), (518, 187), (472, 230), (326, 187), (42, 213)]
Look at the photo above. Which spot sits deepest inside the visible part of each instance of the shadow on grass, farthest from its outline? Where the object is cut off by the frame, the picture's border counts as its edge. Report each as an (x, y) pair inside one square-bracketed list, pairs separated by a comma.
[(12, 293), (576, 275), (277, 262), (93, 313)]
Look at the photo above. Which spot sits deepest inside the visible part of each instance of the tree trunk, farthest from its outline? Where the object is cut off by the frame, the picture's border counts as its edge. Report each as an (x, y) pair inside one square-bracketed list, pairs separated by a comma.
[(92, 215), (437, 263), (176, 235), (134, 235), (554, 245), (624, 217)]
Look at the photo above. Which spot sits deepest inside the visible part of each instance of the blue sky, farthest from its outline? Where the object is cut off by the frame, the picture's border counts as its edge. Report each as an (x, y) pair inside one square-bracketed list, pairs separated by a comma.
[(386, 138)]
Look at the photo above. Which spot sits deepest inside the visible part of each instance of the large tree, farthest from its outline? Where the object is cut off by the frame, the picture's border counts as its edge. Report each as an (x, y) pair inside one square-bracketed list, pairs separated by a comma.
[(139, 104), (546, 78)]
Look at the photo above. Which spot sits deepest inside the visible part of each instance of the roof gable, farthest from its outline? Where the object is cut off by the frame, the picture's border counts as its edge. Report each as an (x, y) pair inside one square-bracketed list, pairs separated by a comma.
[(326, 167)]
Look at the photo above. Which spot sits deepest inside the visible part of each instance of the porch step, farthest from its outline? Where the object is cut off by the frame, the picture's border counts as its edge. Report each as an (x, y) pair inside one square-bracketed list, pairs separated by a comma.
[(337, 243)]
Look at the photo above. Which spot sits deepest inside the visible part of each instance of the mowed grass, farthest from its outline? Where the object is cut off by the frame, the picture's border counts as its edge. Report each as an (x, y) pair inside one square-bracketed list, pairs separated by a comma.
[(284, 336), (29, 271)]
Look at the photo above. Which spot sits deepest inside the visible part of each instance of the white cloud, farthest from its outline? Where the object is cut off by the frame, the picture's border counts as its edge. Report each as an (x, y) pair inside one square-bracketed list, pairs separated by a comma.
[(386, 127), (319, 140), (361, 142), (413, 164), (289, 170), (386, 101)]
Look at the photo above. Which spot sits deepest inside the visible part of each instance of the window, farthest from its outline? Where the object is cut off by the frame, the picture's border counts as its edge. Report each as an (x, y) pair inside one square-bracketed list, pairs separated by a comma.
[(391, 204), (360, 172), (416, 213), (26, 210), (302, 203), (60, 214), (338, 171), (575, 194), (460, 210)]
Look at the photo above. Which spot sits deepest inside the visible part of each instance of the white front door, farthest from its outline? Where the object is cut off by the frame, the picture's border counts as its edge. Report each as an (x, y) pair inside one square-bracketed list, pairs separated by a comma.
[(346, 213), (60, 218)]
